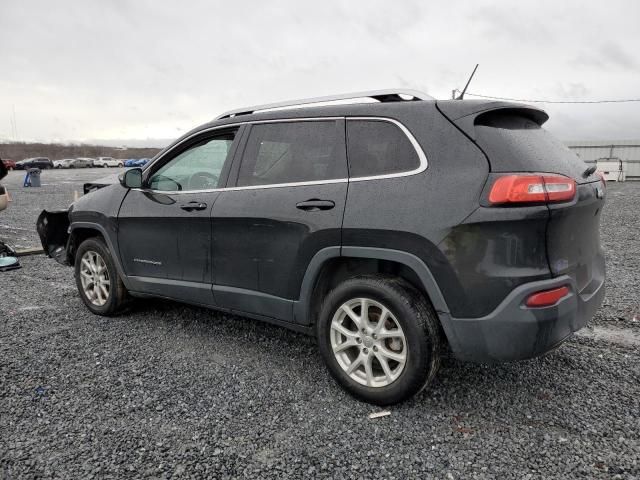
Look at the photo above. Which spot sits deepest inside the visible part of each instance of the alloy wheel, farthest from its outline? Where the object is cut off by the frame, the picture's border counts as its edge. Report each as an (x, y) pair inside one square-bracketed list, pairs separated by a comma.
[(368, 342), (94, 277)]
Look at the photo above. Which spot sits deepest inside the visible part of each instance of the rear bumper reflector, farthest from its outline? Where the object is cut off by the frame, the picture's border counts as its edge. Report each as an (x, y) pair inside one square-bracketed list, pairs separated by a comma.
[(546, 298)]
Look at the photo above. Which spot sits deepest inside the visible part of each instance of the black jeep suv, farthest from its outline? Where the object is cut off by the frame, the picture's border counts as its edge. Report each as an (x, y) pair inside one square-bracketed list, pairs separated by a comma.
[(389, 229)]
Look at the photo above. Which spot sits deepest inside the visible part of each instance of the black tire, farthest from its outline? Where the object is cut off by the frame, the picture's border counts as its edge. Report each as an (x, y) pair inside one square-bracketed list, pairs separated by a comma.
[(415, 316), (118, 297)]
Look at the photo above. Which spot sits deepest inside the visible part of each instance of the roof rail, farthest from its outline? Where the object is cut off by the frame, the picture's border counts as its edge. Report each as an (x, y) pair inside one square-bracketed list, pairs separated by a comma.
[(389, 95)]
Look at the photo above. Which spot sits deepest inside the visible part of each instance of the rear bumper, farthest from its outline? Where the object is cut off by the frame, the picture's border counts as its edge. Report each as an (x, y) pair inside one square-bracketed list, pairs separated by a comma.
[(515, 332)]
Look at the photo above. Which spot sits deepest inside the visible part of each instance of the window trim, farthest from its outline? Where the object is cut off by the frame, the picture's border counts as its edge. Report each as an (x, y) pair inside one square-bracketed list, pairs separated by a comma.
[(421, 156)]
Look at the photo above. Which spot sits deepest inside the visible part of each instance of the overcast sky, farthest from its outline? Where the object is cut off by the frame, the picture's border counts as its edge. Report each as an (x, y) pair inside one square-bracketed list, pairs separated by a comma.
[(141, 69)]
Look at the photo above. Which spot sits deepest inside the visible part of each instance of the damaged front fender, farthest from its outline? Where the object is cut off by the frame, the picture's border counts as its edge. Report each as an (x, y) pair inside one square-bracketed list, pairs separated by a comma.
[(53, 229)]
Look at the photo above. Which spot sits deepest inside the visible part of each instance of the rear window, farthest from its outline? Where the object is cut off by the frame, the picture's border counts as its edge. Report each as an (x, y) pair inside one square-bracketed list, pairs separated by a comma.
[(290, 152), (378, 147), (516, 143)]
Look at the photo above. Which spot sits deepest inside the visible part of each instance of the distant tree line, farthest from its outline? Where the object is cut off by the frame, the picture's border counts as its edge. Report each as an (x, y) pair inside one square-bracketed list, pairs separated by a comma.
[(57, 151)]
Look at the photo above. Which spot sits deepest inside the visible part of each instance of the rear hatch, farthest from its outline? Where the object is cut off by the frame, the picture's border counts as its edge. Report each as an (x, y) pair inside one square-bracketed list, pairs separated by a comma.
[(512, 137)]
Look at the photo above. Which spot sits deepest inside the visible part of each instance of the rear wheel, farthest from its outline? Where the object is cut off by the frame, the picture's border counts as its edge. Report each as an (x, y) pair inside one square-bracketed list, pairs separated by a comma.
[(97, 279), (379, 337)]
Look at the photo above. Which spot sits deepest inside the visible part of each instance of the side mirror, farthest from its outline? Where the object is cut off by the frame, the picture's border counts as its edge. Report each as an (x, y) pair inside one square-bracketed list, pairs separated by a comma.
[(132, 178)]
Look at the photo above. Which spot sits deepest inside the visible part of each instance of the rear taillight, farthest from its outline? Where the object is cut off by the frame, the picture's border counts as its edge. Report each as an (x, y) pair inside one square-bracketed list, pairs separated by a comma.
[(559, 188), (546, 298), (529, 188)]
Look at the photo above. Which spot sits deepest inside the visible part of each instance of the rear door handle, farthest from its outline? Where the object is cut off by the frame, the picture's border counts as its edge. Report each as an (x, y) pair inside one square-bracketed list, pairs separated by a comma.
[(191, 206), (315, 204)]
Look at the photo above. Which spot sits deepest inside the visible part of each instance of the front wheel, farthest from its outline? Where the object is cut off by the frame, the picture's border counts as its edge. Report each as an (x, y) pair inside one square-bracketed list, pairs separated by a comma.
[(97, 279), (380, 339)]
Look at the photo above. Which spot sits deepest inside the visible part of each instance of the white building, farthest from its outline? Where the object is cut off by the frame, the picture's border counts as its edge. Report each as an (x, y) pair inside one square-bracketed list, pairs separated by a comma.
[(619, 160)]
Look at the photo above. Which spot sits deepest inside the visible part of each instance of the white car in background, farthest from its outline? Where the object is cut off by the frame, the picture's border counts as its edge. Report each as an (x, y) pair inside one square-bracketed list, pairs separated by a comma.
[(64, 163), (107, 162)]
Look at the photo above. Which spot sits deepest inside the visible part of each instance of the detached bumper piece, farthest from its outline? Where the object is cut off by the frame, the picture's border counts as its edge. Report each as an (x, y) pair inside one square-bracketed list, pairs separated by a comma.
[(93, 186), (53, 229)]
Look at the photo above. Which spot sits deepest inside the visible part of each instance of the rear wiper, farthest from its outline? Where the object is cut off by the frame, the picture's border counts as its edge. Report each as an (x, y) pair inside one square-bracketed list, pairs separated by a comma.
[(589, 171)]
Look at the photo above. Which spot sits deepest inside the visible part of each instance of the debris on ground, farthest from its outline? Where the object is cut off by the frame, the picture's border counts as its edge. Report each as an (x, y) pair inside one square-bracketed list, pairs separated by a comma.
[(383, 413)]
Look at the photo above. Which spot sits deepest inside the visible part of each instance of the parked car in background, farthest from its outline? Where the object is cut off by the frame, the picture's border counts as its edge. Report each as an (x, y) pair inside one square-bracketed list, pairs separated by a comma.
[(81, 162), (64, 163), (136, 162), (107, 162), (9, 164), (42, 163)]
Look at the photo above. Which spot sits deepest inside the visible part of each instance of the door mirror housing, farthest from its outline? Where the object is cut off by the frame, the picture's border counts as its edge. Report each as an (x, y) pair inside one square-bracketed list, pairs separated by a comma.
[(132, 178)]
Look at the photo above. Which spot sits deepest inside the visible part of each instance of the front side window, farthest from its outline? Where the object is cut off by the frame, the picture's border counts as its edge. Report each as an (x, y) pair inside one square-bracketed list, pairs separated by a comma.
[(378, 147), (197, 168), (289, 152)]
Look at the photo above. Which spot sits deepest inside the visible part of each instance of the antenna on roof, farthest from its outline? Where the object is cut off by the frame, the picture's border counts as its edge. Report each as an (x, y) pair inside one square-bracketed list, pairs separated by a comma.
[(464, 90)]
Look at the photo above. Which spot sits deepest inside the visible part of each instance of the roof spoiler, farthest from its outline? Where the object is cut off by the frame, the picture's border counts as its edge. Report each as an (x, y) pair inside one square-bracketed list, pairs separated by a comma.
[(464, 114)]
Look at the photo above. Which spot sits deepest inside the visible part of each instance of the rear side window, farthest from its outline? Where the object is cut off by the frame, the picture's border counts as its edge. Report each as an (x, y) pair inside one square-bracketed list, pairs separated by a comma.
[(377, 147), (289, 152), (515, 142)]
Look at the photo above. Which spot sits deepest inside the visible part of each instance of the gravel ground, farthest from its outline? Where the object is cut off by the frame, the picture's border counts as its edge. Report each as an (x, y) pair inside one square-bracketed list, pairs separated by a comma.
[(176, 391)]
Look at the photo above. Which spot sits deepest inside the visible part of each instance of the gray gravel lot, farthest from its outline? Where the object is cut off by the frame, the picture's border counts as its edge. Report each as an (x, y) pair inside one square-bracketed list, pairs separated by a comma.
[(176, 391)]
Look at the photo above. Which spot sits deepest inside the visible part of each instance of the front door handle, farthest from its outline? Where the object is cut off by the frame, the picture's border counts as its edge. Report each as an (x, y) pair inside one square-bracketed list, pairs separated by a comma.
[(191, 206), (315, 205)]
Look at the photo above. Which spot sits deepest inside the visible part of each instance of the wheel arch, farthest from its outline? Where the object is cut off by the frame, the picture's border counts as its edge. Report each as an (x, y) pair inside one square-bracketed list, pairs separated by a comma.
[(76, 237), (80, 231), (331, 265)]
